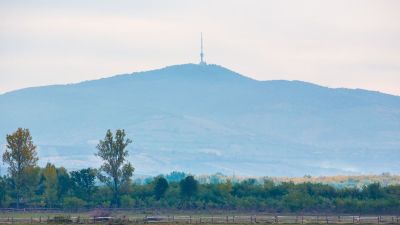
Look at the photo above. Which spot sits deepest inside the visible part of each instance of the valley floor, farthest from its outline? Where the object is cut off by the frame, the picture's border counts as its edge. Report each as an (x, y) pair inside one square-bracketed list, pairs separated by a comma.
[(195, 217)]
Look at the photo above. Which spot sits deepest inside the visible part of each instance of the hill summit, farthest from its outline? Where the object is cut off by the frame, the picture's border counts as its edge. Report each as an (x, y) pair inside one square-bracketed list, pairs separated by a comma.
[(206, 119)]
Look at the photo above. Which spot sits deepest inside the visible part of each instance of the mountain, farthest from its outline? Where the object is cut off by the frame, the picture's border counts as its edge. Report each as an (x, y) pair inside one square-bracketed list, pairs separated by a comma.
[(206, 119)]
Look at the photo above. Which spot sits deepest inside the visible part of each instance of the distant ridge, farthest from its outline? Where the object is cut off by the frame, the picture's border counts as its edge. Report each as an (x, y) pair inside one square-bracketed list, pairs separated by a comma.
[(207, 118)]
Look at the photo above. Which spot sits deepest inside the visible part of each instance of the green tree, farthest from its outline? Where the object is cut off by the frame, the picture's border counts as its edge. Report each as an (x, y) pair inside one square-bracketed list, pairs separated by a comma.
[(21, 156), (84, 183), (115, 171), (160, 187), (51, 184), (189, 187), (64, 183), (73, 203), (3, 193), (31, 179)]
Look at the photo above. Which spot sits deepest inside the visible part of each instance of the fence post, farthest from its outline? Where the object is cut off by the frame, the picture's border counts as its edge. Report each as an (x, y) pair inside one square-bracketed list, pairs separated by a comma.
[(200, 219), (353, 219), (251, 219), (190, 219), (302, 219), (233, 219), (227, 219), (212, 219)]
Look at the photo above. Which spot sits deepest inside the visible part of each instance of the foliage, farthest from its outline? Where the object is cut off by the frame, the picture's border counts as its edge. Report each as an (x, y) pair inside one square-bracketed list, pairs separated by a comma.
[(2, 191), (83, 183), (21, 156), (160, 187), (116, 172), (51, 184), (73, 203), (57, 187), (188, 187)]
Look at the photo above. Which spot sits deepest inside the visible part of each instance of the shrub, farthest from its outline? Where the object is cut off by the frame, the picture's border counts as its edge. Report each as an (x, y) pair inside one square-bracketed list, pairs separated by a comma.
[(73, 203)]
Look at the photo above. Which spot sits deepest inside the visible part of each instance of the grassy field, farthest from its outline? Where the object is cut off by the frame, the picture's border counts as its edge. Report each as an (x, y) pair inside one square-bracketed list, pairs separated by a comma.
[(191, 217)]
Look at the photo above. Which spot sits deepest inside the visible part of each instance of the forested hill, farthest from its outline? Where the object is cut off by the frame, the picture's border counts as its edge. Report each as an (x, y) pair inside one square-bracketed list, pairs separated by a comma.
[(206, 119)]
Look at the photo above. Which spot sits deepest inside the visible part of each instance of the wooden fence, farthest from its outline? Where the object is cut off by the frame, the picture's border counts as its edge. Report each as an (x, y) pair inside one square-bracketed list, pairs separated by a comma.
[(252, 219)]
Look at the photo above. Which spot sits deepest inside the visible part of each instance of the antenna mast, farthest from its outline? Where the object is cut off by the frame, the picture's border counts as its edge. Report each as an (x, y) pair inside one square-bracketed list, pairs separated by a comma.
[(202, 62)]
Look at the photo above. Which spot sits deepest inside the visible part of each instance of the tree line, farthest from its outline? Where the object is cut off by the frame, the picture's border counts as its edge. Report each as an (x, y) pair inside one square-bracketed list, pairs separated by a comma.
[(111, 185)]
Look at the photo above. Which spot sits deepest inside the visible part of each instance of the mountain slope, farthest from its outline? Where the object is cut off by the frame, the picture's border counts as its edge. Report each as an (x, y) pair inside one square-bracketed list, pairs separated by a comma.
[(207, 118)]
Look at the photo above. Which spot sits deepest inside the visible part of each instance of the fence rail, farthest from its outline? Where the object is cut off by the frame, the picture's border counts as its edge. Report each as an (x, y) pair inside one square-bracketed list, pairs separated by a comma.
[(251, 219)]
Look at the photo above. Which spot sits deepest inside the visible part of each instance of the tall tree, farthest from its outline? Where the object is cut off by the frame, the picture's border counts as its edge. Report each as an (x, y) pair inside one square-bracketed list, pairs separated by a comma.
[(84, 183), (160, 187), (64, 183), (2, 190), (189, 187), (51, 184), (115, 171), (21, 156)]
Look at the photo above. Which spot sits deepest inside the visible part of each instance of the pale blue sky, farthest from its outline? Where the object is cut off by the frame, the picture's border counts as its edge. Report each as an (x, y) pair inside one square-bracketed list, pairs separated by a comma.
[(338, 43)]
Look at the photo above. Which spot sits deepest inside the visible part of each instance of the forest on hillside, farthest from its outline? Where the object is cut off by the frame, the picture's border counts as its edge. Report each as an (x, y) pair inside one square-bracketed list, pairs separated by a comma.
[(111, 185)]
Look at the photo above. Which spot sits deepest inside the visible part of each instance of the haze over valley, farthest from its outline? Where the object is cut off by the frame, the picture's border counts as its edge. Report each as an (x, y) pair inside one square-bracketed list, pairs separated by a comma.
[(207, 119)]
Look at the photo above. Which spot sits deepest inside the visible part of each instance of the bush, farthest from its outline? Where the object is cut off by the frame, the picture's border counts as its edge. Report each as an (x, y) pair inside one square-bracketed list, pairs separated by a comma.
[(127, 201), (73, 203)]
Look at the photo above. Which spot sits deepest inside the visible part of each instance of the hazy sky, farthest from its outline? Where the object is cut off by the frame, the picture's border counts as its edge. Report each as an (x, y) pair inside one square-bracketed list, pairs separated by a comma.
[(346, 43)]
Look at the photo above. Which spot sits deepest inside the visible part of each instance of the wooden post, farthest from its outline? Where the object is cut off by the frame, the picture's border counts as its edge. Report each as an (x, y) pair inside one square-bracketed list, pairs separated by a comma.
[(200, 219), (94, 220), (353, 219), (302, 219), (31, 219), (255, 219), (233, 219), (227, 219), (251, 219), (212, 219), (379, 221), (338, 219), (317, 219), (190, 219), (327, 221)]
